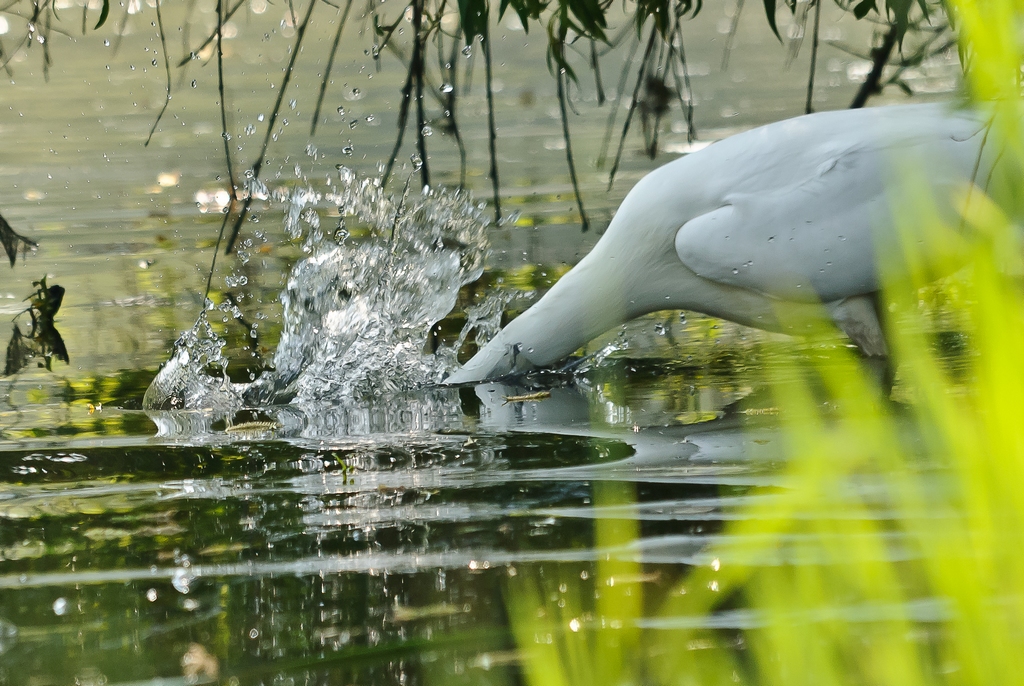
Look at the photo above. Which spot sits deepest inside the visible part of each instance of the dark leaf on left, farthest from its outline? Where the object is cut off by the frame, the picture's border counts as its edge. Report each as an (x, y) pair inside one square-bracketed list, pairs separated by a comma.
[(13, 241)]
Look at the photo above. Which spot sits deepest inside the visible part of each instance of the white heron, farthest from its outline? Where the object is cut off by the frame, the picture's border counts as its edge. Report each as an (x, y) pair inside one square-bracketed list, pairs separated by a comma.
[(762, 228)]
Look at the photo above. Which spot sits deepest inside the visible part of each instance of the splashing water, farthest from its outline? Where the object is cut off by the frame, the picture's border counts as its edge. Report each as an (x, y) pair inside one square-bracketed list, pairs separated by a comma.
[(357, 314)]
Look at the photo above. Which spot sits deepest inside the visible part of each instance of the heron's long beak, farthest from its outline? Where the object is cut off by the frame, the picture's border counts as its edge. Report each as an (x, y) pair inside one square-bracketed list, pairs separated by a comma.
[(584, 303)]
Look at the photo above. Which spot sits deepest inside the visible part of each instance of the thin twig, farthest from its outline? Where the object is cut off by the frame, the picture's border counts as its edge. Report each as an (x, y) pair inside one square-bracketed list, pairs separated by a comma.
[(880, 56), (492, 130), (691, 130), (814, 56), (417, 60), (595, 66), (167, 68), (619, 90), (632, 104), (560, 80), (300, 33), (212, 37), (327, 71), (730, 38), (121, 27), (450, 99), (403, 120), (227, 148)]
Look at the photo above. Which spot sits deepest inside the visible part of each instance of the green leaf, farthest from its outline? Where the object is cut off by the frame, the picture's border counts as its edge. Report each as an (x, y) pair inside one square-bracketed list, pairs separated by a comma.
[(769, 9), (473, 14), (863, 7), (104, 13)]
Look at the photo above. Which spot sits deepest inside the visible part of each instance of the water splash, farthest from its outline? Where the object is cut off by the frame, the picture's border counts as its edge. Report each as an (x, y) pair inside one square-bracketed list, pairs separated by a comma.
[(357, 314)]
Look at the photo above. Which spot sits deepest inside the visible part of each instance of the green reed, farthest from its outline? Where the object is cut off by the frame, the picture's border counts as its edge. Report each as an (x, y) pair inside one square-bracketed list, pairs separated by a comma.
[(891, 551)]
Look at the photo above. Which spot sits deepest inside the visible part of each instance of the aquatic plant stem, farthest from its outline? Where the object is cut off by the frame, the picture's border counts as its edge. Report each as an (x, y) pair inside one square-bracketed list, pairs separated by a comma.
[(299, 35), (167, 69), (814, 57), (492, 130), (327, 70)]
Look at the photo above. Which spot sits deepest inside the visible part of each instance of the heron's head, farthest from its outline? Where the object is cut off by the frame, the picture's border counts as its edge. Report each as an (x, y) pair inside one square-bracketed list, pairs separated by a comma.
[(631, 271)]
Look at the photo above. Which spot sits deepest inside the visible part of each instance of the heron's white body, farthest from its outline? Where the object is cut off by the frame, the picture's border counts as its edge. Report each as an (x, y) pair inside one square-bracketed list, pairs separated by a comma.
[(777, 219)]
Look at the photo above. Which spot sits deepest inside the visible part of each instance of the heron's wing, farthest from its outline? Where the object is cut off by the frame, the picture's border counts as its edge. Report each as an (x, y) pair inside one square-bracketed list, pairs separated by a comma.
[(812, 230)]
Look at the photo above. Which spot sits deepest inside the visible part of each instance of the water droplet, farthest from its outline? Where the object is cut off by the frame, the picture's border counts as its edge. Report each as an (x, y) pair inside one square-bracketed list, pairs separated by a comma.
[(369, 118), (447, 88), (417, 161), (467, 51), (426, 130), (352, 124), (293, 104), (151, 595), (106, 43), (181, 581), (154, 63), (341, 111), (682, 318), (259, 117), (735, 271), (347, 150), (254, 633), (250, 130), (60, 607)]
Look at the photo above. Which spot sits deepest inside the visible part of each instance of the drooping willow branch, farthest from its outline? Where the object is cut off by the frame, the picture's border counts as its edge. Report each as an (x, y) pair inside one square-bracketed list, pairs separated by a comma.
[(814, 57), (492, 130), (212, 37), (258, 166), (327, 70), (167, 69), (225, 137), (560, 80), (880, 57), (633, 103)]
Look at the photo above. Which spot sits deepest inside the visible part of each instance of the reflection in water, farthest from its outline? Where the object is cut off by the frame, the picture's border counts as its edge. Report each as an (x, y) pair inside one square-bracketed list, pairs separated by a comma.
[(42, 340)]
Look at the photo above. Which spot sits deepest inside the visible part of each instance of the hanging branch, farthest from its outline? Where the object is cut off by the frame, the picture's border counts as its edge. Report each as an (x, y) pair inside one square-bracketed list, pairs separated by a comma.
[(814, 56), (620, 89), (560, 80), (633, 103), (691, 130), (730, 38), (403, 119), (417, 60), (880, 56), (212, 37), (595, 66), (327, 70), (122, 25), (492, 130), (448, 105), (270, 125), (225, 136), (167, 69)]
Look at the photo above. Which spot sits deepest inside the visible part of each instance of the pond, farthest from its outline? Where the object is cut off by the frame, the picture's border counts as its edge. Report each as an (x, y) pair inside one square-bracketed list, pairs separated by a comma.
[(367, 538)]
